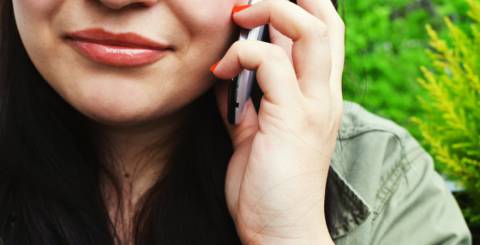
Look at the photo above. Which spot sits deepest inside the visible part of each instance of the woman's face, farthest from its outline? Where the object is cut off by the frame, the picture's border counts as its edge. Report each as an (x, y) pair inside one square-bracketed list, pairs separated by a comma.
[(125, 85)]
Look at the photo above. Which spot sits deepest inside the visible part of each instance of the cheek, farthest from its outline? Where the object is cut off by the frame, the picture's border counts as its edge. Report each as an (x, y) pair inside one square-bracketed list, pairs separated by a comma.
[(209, 28), (204, 16), (34, 23), (33, 16), (26, 8)]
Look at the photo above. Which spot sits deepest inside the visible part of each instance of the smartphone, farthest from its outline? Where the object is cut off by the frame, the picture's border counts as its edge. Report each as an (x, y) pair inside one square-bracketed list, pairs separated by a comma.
[(245, 84), (240, 87)]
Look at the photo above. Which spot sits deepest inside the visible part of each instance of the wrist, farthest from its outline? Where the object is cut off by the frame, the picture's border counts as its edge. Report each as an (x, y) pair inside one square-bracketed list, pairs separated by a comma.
[(320, 237), (283, 241)]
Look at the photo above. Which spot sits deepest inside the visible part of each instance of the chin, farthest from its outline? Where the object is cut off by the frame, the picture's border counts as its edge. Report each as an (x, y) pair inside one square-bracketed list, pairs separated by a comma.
[(126, 114), (117, 118), (115, 111)]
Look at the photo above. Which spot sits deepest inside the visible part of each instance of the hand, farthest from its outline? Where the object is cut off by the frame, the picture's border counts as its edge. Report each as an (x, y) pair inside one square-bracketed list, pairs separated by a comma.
[(276, 178)]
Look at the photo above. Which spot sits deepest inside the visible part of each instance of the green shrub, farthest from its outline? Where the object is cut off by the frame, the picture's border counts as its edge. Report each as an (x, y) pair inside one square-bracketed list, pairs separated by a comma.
[(450, 122), (385, 46)]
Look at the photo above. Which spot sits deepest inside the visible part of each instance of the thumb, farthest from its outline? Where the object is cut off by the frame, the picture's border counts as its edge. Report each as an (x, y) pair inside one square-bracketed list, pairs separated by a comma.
[(247, 127)]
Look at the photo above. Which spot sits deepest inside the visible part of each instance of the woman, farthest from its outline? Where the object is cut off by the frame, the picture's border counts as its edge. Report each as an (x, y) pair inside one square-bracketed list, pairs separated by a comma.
[(114, 131)]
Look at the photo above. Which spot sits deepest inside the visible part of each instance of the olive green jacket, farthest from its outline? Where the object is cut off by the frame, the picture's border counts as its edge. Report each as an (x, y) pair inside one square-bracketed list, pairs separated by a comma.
[(382, 188)]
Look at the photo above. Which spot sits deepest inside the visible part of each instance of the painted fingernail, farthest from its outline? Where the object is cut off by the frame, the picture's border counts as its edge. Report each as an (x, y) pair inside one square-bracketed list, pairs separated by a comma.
[(239, 8), (212, 68)]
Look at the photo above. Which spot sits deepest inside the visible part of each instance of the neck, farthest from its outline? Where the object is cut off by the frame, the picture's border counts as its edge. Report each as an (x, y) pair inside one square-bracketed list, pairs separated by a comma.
[(136, 155)]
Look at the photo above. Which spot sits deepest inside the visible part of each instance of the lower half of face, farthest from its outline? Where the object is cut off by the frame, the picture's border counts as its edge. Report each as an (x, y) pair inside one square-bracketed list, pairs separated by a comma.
[(128, 87)]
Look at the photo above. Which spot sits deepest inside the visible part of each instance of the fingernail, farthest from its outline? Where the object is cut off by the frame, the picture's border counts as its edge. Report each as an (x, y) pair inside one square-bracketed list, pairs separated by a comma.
[(212, 68), (239, 8)]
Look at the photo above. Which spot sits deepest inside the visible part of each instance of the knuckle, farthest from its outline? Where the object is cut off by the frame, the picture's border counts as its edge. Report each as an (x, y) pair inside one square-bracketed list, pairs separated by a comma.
[(318, 113), (322, 119), (237, 45), (277, 53), (241, 50), (317, 29), (244, 48), (271, 4)]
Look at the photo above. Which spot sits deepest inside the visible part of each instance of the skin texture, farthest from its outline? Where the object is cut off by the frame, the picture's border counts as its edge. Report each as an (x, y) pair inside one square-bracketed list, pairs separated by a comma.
[(275, 184)]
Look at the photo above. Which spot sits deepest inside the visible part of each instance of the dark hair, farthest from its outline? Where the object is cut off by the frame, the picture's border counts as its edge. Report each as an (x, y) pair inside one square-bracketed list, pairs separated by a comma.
[(50, 167)]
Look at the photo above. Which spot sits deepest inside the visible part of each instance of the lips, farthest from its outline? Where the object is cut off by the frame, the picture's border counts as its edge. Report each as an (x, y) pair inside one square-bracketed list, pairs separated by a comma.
[(122, 49)]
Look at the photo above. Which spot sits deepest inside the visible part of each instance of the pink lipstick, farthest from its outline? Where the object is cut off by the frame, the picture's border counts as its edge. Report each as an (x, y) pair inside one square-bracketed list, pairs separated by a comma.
[(122, 49)]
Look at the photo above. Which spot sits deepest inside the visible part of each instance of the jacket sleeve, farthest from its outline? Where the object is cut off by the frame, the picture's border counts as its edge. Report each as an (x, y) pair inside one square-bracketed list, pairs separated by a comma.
[(420, 208)]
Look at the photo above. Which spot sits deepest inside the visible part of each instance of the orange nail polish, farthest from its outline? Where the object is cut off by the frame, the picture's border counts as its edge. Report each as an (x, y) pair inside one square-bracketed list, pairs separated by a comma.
[(212, 68), (239, 8)]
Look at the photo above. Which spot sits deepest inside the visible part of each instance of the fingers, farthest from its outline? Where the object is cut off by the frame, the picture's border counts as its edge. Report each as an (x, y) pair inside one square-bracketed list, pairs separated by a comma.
[(311, 47), (325, 10), (289, 18), (281, 40), (274, 72)]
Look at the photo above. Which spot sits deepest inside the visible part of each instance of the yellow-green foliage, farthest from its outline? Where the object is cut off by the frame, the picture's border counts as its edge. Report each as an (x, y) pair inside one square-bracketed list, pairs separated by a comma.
[(450, 126)]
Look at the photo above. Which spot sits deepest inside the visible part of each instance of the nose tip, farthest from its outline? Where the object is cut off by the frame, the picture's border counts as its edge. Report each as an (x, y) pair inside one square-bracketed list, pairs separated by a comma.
[(119, 4)]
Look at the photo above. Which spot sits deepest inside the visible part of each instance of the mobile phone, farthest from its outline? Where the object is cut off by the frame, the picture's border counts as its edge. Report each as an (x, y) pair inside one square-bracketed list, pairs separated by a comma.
[(240, 87)]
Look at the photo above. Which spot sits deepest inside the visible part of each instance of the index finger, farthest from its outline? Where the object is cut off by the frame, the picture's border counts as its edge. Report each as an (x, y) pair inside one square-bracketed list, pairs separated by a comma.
[(310, 51)]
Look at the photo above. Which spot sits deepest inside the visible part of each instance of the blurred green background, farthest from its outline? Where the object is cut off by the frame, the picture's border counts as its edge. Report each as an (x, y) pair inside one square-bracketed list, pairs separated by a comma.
[(386, 46)]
